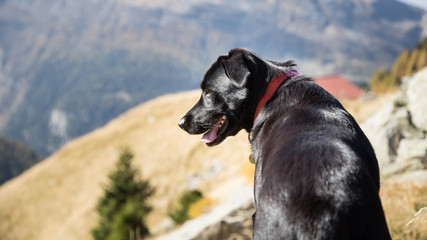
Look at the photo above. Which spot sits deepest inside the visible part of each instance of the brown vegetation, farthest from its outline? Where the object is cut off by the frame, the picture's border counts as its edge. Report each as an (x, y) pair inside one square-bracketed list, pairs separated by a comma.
[(406, 64), (405, 206)]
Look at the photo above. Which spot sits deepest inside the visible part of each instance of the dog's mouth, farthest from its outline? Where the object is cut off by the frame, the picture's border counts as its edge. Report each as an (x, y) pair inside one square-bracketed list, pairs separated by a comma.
[(217, 129)]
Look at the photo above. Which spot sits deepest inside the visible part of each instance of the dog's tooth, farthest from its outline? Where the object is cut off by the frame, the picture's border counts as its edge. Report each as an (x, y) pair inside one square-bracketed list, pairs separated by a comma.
[(222, 121)]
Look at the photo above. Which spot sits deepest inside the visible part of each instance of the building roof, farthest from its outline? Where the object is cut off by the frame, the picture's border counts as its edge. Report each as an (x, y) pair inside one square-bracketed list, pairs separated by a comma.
[(339, 87)]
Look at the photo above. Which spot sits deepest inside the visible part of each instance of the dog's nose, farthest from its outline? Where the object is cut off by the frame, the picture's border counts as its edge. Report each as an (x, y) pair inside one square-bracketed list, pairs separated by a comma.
[(181, 123)]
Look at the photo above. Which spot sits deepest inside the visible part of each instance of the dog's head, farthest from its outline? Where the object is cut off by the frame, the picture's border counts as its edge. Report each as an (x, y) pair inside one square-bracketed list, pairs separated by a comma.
[(227, 103)]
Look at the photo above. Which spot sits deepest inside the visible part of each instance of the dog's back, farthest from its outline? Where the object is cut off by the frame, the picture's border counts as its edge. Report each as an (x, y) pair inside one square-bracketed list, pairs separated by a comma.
[(316, 174)]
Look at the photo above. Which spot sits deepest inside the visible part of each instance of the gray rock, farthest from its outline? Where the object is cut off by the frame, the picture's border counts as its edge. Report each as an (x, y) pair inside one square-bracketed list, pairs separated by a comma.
[(417, 99), (412, 149), (378, 133), (418, 176), (398, 130)]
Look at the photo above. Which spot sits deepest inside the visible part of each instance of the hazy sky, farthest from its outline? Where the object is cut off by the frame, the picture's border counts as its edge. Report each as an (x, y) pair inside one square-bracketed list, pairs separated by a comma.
[(419, 3)]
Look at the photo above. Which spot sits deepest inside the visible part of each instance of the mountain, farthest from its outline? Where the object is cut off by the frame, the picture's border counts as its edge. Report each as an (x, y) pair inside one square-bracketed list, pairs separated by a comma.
[(68, 67), (15, 157)]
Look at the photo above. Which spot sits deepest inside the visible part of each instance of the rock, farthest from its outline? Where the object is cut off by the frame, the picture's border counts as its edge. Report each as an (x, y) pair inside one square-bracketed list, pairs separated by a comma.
[(417, 99), (386, 129), (237, 226), (412, 148), (398, 130), (418, 176), (378, 133)]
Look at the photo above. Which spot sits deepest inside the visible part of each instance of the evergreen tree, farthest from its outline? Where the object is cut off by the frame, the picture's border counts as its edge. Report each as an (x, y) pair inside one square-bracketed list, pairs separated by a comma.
[(123, 207)]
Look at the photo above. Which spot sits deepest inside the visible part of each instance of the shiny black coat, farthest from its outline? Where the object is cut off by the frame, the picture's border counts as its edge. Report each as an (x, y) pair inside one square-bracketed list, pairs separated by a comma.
[(316, 175)]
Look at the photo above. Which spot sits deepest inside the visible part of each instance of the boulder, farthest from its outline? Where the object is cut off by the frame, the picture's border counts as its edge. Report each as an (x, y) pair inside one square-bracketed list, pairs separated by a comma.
[(417, 99), (398, 130), (378, 129)]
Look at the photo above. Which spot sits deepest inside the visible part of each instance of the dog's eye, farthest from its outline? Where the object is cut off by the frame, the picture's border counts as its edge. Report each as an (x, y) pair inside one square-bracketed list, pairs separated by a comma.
[(208, 93)]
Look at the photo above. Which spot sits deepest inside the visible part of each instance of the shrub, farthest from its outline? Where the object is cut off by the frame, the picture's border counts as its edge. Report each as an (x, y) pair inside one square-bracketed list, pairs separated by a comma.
[(180, 214)]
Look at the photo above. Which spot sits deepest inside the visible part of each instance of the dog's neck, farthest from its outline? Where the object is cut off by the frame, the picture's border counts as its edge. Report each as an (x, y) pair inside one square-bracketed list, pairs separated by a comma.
[(272, 87)]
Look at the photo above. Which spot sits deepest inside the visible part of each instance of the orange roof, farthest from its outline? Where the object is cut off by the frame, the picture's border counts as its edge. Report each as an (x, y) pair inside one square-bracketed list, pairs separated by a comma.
[(339, 87)]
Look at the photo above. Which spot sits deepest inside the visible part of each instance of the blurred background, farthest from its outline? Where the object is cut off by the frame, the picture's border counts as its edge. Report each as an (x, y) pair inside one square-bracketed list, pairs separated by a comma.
[(82, 80)]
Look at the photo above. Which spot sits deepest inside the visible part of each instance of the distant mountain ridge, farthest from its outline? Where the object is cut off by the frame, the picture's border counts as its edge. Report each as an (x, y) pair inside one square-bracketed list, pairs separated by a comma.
[(69, 67), (15, 157)]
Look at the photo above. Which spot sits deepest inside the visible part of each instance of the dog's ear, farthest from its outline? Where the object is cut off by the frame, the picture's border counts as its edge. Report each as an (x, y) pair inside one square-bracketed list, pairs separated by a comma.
[(236, 66)]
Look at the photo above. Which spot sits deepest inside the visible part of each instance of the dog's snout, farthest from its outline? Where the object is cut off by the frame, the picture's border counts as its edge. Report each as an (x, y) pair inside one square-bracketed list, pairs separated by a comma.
[(181, 123)]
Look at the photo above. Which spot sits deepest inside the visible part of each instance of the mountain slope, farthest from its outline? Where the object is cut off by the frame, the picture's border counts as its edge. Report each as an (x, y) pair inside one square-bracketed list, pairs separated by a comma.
[(56, 198), (69, 67), (15, 157)]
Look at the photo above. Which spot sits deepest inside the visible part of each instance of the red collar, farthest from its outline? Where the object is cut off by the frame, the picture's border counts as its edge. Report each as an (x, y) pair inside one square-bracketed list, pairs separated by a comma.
[(272, 87)]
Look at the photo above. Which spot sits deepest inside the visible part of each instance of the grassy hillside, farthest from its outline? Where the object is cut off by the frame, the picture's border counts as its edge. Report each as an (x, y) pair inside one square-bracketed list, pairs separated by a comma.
[(56, 198)]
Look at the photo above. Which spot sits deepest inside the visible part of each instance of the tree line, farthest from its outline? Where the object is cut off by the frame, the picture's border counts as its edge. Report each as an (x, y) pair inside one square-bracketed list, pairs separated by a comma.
[(406, 64)]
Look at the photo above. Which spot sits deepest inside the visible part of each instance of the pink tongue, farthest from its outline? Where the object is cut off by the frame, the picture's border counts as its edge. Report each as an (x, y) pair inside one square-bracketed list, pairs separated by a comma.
[(211, 135)]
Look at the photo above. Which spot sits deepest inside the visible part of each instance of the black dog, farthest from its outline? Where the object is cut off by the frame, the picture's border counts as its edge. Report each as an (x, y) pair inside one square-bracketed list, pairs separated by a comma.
[(316, 174)]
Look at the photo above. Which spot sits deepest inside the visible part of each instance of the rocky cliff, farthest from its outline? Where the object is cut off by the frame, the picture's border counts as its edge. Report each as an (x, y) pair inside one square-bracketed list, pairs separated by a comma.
[(398, 131)]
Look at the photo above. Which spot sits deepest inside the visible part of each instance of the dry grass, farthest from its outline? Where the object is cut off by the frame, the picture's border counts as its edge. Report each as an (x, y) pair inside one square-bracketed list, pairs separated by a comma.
[(200, 207), (405, 206), (248, 170)]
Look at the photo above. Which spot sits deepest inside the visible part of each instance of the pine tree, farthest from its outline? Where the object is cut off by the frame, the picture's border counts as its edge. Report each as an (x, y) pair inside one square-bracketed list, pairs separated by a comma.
[(123, 207)]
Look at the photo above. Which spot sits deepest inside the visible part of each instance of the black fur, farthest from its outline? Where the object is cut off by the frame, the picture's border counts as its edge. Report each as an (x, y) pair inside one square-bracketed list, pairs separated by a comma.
[(316, 174)]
